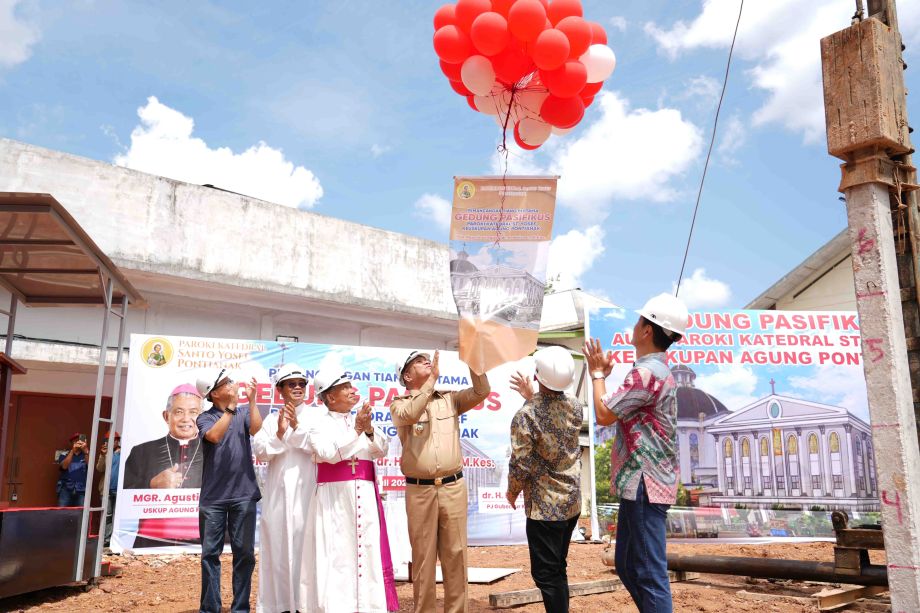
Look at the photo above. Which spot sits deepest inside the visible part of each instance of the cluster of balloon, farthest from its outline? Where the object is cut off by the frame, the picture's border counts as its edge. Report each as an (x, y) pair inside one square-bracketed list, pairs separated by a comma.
[(535, 65)]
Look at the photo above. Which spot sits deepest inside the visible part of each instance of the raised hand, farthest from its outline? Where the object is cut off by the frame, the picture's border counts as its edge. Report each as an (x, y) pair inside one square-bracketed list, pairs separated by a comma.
[(521, 385), (283, 421), (435, 369), (594, 354), (252, 392), (167, 479), (363, 418), (291, 414)]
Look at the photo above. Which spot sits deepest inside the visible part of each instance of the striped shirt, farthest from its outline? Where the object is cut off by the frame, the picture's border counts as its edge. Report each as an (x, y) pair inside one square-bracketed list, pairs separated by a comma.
[(645, 433)]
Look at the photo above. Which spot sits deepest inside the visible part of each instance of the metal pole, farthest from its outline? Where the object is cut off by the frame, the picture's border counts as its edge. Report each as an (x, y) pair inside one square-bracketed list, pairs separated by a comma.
[(799, 570), (7, 385), (97, 404), (113, 427)]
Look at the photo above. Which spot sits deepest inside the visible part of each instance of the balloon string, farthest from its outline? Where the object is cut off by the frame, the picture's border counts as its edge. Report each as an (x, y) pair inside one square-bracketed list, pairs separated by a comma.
[(503, 151)]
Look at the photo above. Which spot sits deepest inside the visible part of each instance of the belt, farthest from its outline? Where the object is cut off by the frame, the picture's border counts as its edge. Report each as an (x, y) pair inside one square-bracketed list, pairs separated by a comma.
[(436, 481)]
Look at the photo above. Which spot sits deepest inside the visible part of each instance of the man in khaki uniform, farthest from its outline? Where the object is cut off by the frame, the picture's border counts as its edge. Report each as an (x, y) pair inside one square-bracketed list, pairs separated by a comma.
[(428, 424)]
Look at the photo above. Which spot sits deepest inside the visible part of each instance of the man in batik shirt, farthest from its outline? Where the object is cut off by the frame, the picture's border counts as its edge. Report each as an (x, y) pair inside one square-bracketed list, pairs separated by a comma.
[(546, 465), (644, 462)]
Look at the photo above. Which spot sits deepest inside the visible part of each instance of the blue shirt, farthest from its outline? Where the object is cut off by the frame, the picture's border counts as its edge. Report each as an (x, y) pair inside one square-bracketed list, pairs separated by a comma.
[(116, 465), (227, 474), (74, 476)]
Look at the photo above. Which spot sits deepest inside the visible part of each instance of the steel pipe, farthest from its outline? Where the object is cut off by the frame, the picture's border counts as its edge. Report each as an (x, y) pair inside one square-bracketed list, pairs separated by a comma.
[(765, 568)]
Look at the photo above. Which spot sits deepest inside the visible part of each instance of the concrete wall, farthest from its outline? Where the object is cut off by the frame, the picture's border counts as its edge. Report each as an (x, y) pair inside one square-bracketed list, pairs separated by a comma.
[(830, 289)]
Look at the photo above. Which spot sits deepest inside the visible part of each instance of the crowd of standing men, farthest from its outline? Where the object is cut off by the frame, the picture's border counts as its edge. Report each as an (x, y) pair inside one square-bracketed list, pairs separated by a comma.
[(323, 535)]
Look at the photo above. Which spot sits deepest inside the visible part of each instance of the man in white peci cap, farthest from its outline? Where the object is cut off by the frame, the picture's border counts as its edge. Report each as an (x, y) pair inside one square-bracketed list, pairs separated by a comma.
[(290, 481), (229, 491), (428, 424)]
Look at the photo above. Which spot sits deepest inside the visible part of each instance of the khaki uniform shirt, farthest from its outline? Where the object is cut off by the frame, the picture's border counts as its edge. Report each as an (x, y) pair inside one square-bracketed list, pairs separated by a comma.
[(428, 424)]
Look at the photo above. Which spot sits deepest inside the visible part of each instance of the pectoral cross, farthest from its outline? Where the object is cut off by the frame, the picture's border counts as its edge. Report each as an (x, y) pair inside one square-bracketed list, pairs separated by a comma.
[(353, 462)]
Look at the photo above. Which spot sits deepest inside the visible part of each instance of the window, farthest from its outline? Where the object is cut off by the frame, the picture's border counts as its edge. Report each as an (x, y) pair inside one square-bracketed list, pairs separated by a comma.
[(730, 482), (727, 448), (780, 482), (815, 482), (835, 443), (775, 410), (794, 480), (792, 445), (766, 483), (764, 446), (838, 482), (748, 483), (812, 444), (860, 483)]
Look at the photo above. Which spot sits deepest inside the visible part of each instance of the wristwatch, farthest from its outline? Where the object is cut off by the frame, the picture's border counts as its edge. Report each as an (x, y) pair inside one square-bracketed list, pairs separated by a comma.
[(230, 411), (597, 374)]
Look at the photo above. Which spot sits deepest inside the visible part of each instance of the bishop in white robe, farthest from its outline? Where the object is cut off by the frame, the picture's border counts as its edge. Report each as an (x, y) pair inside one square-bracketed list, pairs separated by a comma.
[(284, 442), (350, 555)]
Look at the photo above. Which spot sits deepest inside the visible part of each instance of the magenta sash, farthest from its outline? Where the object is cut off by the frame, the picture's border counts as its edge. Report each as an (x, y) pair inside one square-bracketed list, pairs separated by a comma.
[(363, 470)]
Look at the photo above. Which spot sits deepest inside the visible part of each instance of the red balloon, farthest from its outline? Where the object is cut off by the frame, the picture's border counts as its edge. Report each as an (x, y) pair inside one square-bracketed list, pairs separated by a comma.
[(460, 88), (452, 44), (512, 64), (469, 100), (526, 19), (502, 6), (520, 142), (562, 112), (489, 33), (545, 4), (598, 34), (468, 10), (567, 80), (560, 9), (591, 89), (586, 99), (451, 71), (579, 34), (550, 50), (444, 16)]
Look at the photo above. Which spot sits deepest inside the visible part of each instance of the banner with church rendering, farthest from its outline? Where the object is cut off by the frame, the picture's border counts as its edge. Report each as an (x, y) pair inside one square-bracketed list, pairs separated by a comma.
[(160, 469), (771, 408), (500, 234)]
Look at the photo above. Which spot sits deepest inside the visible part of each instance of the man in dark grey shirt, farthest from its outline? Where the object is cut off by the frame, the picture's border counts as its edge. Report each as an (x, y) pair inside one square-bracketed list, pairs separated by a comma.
[(229, 491)]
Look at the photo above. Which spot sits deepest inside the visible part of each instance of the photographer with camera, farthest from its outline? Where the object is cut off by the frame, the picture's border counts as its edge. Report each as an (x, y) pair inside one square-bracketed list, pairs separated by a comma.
[(71, 487)]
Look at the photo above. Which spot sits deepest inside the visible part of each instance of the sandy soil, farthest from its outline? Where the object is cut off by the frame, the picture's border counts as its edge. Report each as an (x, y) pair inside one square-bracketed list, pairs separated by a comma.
[(171, 583)]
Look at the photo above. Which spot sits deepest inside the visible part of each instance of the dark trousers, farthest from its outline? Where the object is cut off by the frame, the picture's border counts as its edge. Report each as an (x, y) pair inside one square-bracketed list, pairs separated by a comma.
[(109, 518), (548, 542), (640, 555), (239, 518), (70, 498)]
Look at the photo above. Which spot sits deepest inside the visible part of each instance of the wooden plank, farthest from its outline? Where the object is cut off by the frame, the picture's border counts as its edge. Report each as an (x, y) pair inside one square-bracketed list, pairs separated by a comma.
[(503, 600), (757, 597), (833, 598)]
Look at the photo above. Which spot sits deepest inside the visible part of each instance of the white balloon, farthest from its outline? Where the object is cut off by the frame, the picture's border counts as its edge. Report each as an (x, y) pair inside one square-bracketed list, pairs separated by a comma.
[(533, 131), (600, 62), (561, 131), (529, 103), (478, 75), (486, 104)]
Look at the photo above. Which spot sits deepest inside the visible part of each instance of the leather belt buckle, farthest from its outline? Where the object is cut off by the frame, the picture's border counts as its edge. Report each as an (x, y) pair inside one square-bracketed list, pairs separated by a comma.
[(438, 481)]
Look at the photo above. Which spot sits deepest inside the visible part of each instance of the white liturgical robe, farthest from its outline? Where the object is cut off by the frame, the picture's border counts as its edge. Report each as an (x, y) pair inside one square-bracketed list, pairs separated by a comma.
[(289, 485), (350, 559)]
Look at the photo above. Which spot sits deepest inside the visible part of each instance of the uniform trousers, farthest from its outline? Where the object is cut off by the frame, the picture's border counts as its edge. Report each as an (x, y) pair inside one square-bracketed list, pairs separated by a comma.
[(437, 530)]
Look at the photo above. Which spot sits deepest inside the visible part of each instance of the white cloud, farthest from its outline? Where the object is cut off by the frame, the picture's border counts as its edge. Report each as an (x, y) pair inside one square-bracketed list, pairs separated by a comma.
[(626, 153), (572, 254), (785, 51), (733, 384), (843, 387), (618, 22), (163, 144), (703, 87), (699, 291), (16, 36), (378, 150), (732, 138), (434, 208)]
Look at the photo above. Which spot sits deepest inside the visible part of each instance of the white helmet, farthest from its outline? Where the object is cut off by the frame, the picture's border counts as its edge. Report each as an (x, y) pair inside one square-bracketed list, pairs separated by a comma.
[(667, 311), (555, 368), (209, 380), (402, 364), (289, 371), (325, 380)]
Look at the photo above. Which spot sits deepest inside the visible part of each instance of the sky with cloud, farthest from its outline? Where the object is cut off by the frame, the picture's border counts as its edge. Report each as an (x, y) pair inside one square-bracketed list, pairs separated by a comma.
[(340, 108)]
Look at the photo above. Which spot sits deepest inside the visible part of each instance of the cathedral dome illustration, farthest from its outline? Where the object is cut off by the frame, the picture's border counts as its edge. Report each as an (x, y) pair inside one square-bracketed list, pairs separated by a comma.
[(692, 401), (462, 263)]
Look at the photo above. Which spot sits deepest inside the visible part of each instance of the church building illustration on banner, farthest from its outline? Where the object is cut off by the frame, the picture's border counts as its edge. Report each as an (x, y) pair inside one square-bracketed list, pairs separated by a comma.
[(776, 450)]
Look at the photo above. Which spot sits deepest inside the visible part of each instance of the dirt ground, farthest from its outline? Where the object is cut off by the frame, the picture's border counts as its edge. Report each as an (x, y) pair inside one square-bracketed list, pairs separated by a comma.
[(171, 583)]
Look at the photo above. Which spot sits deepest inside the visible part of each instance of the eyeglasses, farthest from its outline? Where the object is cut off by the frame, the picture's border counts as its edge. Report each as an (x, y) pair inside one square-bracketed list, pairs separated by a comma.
[(296, 383)]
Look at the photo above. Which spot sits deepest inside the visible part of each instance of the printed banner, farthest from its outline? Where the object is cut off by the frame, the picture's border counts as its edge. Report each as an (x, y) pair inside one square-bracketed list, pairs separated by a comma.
[(500, 234), (161, 446), (771, 409)]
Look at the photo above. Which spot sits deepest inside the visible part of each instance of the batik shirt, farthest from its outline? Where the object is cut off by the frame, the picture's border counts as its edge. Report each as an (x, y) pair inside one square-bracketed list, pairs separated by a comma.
[(645, 433), (546, 457)]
